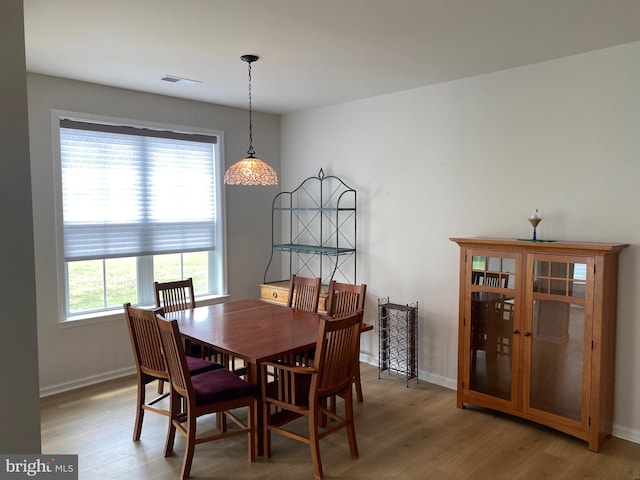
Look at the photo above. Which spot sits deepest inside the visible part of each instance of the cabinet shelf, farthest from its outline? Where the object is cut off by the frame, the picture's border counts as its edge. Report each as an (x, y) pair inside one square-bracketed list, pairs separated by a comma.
[(313, 231)]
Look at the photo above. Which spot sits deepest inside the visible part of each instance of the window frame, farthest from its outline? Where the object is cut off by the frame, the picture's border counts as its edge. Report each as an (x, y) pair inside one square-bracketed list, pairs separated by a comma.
[(217, 263)]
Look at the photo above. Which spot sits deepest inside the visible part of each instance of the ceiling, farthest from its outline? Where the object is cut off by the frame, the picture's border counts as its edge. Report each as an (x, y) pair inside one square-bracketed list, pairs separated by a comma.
[(312, 53)]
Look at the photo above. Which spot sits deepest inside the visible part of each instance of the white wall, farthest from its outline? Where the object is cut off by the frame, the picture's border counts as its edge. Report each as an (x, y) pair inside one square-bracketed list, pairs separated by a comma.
[(71, 357), (475, 157)]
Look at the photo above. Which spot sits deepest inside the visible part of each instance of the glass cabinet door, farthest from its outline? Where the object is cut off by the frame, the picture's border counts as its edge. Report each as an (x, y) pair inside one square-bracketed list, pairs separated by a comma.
[(558, 338), (491, 313)]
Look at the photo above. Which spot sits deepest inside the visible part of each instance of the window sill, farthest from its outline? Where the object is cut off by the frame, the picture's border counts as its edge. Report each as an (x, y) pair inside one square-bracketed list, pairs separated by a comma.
[(111, 315)]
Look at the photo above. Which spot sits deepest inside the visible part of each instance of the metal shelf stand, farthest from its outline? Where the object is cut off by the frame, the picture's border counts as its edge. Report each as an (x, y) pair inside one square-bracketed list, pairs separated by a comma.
[(398, 339)]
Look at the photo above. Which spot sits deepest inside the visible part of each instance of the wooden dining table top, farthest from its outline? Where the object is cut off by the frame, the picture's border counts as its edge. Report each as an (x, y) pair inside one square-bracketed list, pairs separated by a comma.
[(253, 330)]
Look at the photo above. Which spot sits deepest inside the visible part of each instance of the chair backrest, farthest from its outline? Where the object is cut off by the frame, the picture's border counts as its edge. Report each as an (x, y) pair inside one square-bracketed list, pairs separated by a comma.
[(345, 298), (145, 341), (173, 296), (174, 356), (336, 353), (304, 293)]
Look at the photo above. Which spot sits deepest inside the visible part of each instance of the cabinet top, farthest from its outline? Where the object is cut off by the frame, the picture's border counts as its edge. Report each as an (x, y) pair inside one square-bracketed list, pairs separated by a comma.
[(559, 246)]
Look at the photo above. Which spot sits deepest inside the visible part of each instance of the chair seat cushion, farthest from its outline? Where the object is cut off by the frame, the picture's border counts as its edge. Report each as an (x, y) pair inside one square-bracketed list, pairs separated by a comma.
[(200, 365), (220, 385)]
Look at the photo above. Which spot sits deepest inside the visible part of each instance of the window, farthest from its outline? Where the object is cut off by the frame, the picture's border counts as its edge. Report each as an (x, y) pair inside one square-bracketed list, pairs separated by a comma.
[(138, 204)]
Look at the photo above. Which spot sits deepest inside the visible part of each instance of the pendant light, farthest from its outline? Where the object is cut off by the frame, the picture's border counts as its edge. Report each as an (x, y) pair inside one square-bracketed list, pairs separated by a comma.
[(250, 170)]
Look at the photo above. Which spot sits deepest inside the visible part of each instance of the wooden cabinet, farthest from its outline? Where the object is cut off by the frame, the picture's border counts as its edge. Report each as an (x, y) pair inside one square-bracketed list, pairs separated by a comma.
[(537, 331)]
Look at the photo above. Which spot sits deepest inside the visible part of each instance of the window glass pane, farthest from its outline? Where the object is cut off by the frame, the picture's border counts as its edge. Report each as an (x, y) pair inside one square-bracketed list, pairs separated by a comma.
[(558, 287), (557, 358), (195, 266), (176, 266), (580, 271), (509, 265), (86, 287), (167, 268), (478, 263), (541, 285), (490, 362), (541, 268), (494, 264), (121, 280), (558, 270), (577, 289)]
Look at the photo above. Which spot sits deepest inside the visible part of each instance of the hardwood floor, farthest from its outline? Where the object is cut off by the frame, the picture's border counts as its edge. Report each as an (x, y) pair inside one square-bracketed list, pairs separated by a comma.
[(403, 433)]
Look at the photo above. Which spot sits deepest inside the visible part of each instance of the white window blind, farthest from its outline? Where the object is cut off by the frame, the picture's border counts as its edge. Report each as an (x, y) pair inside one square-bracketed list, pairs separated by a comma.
[(129, 191)]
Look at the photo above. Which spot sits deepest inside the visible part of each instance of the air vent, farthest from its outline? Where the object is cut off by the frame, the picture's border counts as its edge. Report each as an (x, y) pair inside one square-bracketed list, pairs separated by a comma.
[(174, 79)]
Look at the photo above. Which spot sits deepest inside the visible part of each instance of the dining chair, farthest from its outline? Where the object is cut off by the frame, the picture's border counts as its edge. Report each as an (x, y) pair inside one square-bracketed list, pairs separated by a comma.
[(304, 293), (346, 299), (150, 363), (178, 295), (217, 391), (175, 295), (291, 391)]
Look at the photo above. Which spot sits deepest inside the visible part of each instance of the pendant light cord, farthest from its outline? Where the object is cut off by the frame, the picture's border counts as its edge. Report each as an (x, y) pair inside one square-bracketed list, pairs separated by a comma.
[(251, 152)]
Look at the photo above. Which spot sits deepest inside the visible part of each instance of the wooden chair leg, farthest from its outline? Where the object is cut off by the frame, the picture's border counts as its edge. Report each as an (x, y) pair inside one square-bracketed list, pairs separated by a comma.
[(221, 421), (314, 443), (175, 412), (189, 449), (251, 423), (358, 385), (137, 428), (357, 377), (266, 434), (351, 429)]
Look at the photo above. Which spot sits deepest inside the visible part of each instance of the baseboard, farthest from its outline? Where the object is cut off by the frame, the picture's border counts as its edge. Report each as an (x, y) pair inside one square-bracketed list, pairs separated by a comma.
[(626, 433), (446, 382), (368, 359), (86, 381)]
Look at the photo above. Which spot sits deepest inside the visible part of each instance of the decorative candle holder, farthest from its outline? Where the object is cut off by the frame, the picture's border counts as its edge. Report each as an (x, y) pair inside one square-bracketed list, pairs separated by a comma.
[(534, 220)]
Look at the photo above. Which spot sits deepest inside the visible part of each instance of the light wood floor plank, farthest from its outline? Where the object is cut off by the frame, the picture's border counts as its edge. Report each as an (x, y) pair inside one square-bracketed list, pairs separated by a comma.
[(403, 433)]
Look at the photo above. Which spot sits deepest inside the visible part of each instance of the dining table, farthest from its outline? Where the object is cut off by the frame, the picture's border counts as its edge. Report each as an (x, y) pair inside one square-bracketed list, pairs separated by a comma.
[(251, 330)]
